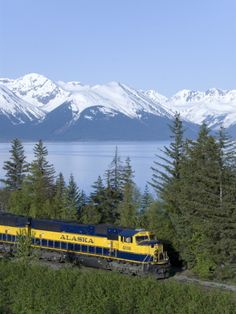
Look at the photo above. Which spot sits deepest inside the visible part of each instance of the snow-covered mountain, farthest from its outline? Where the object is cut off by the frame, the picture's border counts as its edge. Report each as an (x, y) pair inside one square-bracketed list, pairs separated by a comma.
[(15, 109), (116, 97), (215, 107), (40, 107), (37, 90)]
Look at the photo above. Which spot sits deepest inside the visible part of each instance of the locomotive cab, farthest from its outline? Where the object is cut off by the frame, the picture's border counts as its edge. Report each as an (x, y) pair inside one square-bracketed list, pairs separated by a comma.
[(153, 247), (144, 243)]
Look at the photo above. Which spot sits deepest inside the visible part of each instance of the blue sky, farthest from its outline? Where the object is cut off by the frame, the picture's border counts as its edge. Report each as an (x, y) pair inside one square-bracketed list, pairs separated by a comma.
[(166, 45)]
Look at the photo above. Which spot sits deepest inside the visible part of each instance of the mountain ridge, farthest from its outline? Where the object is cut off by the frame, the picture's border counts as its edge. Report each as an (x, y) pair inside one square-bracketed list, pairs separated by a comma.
[(36, 99)]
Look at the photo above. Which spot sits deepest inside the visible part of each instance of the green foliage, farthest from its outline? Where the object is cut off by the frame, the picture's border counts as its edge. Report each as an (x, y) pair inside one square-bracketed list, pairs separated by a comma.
[(59, 199), (40, 182), (23, 246), (16, 168), (168, 173), (97, 208), (72, 195), (145, 202), (114, 173), (127, 208), (20, 201), (197, 185), (4, 199), (37, 289), (90, 215), (113, 189), (155, 218)]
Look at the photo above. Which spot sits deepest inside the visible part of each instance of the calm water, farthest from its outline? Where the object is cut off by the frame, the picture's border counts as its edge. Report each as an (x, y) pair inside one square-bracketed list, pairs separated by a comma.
[(89, 160)]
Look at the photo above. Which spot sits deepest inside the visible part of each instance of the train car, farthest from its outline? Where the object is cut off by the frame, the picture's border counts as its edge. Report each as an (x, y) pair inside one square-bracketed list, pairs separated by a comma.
[(10, 227), (104, 246)]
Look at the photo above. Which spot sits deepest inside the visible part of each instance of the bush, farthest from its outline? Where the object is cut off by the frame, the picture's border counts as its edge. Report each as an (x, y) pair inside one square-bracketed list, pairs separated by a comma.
[(37, 289)]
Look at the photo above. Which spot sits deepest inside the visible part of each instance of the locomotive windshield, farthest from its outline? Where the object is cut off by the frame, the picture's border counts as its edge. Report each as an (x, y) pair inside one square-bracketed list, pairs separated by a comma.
[(141, 238), (145, 238)]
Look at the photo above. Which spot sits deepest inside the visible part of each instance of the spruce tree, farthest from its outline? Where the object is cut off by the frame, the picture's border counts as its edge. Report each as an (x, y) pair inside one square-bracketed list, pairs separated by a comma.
[(20, 201), (81, 203), (90, 214), (72, 200), (41, 171), (196, 185), (41, 182), (113, 189), (167, 172), (16, 168), (146, 201), (97, 200), (114, 173), (158, 221), (166, 178), (227, 203), (128, 206), (59, 199), (200, 204)]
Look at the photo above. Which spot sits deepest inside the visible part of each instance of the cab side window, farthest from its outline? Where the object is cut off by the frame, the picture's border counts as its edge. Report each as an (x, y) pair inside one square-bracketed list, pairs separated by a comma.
[(127, 239)]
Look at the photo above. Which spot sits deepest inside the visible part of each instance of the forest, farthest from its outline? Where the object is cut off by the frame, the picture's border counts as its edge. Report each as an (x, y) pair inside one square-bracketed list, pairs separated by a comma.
[(193, 211)]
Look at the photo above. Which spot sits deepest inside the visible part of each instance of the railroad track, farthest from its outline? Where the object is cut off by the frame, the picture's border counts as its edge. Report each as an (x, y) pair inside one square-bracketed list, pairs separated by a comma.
[(207, 284)]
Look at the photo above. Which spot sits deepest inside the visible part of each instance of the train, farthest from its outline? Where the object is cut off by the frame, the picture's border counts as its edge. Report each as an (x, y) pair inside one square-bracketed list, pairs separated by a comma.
[(105, 246)]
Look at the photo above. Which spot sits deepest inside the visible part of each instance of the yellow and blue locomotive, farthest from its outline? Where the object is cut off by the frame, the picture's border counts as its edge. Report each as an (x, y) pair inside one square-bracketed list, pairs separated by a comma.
[(104, 246)]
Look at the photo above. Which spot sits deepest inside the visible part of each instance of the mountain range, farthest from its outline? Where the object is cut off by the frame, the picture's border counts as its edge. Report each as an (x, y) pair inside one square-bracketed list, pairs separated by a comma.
[(33, 107)]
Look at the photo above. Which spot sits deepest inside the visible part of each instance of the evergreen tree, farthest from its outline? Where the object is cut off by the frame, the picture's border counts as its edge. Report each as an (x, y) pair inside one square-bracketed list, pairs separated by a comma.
[(113, 189), (166, 178), (59, 199), (40, 182), (20, 201), (227, 203), (81, 203), (128, 207), (90, 214), (4, 199), (16, 168), (127, 173), (227, 160), (97, 200), (200, 202), (207, 206), (196, 184), (41, 171), (146, 201), (72, 200), (112, 198), (169, 171), (114, 173), (158, 221)]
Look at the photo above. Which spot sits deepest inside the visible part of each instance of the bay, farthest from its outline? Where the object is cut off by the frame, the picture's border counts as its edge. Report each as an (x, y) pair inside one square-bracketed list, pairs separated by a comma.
[(87, 160)]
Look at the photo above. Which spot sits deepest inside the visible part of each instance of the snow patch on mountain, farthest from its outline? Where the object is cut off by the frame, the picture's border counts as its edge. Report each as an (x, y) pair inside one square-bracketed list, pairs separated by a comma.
[(112, 96), (38, 90), (215, 107), (17, 110)]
